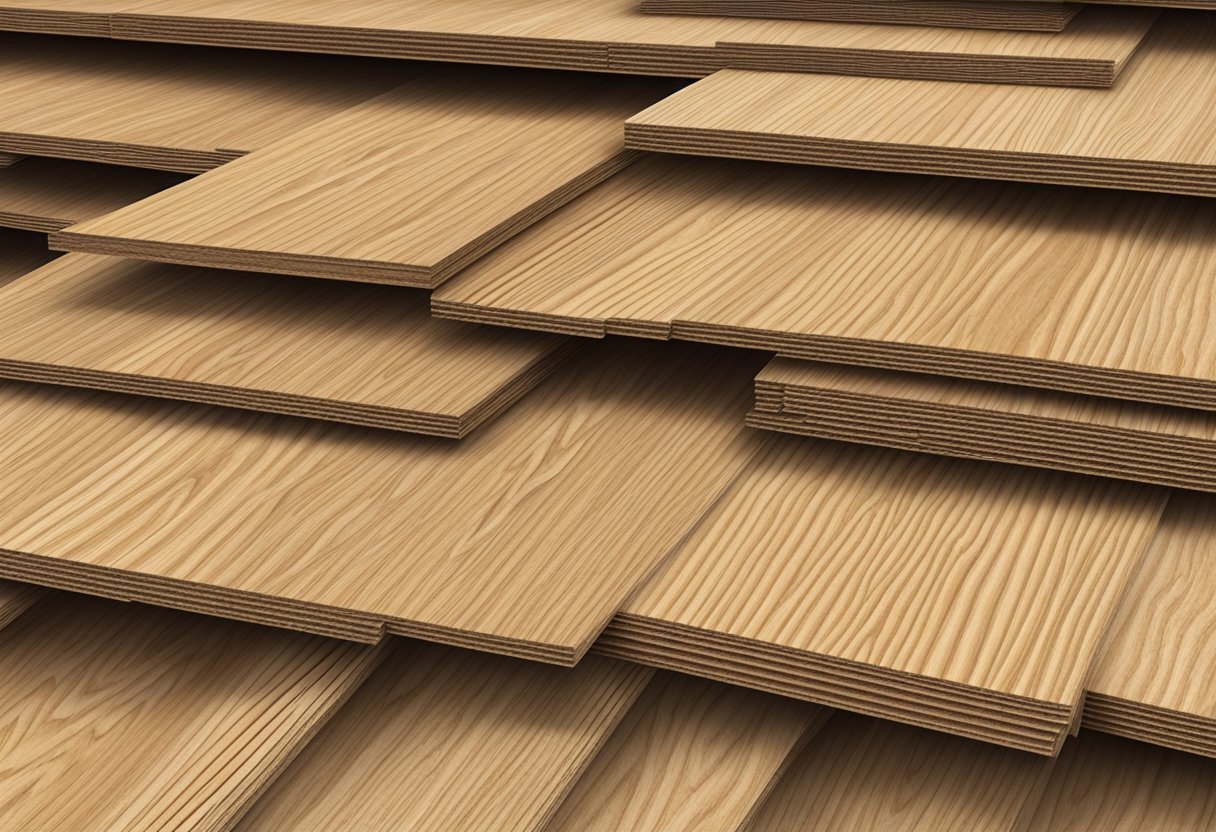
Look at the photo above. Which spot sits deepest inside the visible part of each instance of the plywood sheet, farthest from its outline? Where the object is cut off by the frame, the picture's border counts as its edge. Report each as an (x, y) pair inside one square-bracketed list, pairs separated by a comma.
[(21, 252), (407, 188), (614, 35), (15, 599), (966, 14), (9, 159), (691, 754), (1148, 133), (859, 775), (168, 107), (1117, 785), (956, 595), (126, 717), (367, 355), (980, 420), (442, 739), (49, 194), (1095, 292), (524, 538), (1154, 680)]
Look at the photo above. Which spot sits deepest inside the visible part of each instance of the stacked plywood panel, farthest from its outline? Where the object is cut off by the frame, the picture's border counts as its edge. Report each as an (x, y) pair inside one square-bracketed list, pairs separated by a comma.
[(609, 35), (1150, 443)]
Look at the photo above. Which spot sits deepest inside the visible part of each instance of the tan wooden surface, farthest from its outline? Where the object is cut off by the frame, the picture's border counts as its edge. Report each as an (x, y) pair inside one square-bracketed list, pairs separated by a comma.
[(863, 775), (168, 107), (49, 194), (691, 755), (988, 585), (1149, 132), (15, 599), (1154, 680), (1097, 292), (351, 353), (442, 739), (1106, 784), (606, 35), (407, 188), (524, 538), (966, 14), (1170, 446), (127, 717)]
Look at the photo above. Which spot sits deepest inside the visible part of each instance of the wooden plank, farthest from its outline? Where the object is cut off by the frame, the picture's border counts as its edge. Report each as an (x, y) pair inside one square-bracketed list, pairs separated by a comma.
[(524, 538), (21, 252), (416, 183), (997, 422), (49, 194), (1094, 292), (444, 739), (1148, 133), (1117, 785), (1153, 681), (860, 774), (9, 159), (126, 717), (614, 35), (367, 355), (15, 599), (167, 107), (692, 754), (955, 595), (965, 14)]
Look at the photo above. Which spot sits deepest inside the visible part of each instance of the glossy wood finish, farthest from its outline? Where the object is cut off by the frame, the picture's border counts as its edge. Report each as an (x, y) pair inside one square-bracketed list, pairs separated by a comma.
[(999, 422), (523, 539), (49, 194), (118, 716), (359, 354), (607, 35), (442, 739), (1094, 292), (965, 597), (407, 188), (1147, 133)]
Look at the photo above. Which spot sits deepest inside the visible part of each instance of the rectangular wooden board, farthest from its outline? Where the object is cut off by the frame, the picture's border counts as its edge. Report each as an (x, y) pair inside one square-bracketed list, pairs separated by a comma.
[(407, 188), (367, 355), (1147, 133), (1149, 443), (1095, 292), (442, 739), (524, 538), (121, 716)]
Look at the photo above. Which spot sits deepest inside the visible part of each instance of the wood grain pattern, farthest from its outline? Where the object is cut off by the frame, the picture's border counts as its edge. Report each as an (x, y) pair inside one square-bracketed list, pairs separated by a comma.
[(360, 354), (861, 775), (9, 159), (608, 35), (1106, 784), (168, 107), (1148, 133), (49, 194), (21, 252), (15, 599), (965, 14), (524, 538), (1154, 680), (443, 739), (407, 188), (950, 594), (119, 716), (691, 754), (1095, 292), (998, 422)]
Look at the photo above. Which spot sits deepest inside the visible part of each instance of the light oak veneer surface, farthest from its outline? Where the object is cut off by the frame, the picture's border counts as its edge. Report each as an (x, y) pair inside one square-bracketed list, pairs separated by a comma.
[(441, 739), (691, 755), (406, 188), (119, 716), (350, 353), (1096, 292), (524, 538)]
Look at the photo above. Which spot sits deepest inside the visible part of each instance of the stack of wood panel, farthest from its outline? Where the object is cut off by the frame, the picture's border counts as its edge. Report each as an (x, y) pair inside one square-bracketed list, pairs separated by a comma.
[(400, 445)]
